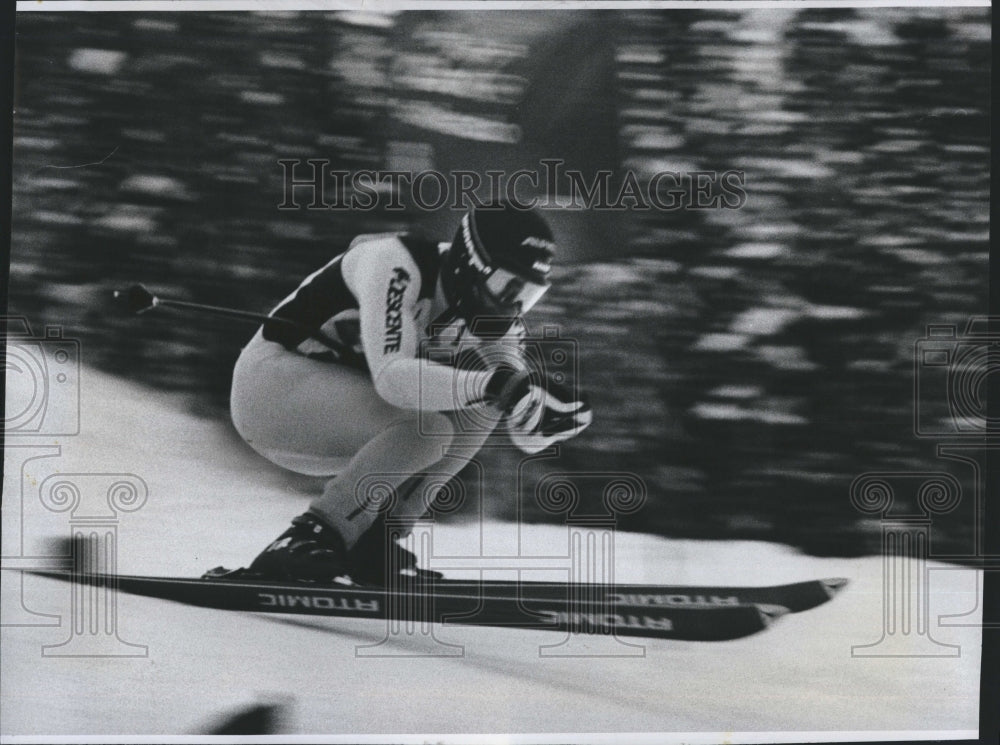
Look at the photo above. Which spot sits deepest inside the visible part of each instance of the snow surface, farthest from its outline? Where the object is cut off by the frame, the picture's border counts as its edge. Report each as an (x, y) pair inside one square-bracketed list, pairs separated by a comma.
[(213, 501)]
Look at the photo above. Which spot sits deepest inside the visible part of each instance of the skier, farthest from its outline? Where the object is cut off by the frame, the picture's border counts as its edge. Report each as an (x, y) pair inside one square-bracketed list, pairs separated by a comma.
[(350, 392)]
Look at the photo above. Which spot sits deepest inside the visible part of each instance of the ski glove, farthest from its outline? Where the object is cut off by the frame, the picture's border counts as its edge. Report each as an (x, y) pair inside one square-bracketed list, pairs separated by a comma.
[(513, 393), (563, 414)]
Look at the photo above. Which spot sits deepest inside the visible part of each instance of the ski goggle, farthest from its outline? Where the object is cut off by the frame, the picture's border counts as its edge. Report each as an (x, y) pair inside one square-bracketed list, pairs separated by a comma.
[(508, 290)]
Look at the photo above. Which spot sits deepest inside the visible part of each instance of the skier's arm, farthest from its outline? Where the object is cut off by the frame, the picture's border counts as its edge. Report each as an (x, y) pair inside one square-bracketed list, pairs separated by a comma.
[(386, 281)]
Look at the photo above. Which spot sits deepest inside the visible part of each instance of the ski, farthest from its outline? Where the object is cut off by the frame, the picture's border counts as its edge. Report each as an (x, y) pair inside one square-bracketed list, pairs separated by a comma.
[(556, 608), (794, 597)]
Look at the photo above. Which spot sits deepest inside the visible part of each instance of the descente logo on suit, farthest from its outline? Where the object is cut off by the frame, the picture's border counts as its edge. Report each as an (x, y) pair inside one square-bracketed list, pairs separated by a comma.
[(393, 310)]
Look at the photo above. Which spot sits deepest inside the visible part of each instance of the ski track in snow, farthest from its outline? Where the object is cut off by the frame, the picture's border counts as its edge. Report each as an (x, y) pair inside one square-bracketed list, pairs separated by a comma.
[(213, 501)]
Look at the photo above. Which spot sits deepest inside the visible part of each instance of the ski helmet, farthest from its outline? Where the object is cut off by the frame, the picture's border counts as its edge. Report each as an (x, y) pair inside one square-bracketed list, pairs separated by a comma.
[(498, 263)]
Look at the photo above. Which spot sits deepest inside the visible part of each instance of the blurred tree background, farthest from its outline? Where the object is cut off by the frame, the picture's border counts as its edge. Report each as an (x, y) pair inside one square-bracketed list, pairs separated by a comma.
[(746, 363)]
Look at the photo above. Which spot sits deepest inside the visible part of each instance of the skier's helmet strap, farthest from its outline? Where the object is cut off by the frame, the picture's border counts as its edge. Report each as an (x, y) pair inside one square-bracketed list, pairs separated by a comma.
[(501, 259)]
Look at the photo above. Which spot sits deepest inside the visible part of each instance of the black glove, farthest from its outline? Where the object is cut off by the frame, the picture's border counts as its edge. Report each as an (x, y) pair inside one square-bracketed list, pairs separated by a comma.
[(507, 387)]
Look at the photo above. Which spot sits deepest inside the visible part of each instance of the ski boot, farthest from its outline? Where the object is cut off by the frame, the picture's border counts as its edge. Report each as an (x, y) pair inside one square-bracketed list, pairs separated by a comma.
[(378, 560), (309, 550)]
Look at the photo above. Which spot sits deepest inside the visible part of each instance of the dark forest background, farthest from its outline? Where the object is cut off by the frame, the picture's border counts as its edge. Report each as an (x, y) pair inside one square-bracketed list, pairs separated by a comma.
[(747, 364)]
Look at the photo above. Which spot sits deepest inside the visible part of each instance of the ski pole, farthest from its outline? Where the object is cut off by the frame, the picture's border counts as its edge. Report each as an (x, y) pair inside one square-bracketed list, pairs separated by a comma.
[(137, 299)]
